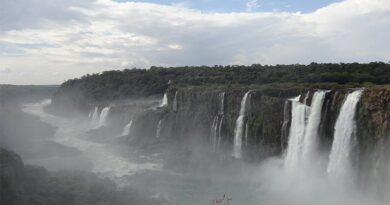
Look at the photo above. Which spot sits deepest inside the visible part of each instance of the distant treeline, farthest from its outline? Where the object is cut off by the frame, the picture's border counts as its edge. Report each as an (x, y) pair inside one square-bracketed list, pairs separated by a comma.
[(25, 93), (142, 82)]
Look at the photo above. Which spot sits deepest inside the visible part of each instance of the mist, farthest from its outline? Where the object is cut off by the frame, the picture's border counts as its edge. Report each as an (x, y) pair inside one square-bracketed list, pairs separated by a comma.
[(124, 141)]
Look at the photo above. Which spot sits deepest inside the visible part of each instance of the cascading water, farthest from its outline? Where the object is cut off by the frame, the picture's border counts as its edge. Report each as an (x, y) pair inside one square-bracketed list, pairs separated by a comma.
[(310, 145), (302, 144), (158, 129), (340, 167), (95, 117), (214, 134), (220, 132), (297, 132), (164, 101), (103, 116), (216, 127), (90, 114), (127, 128), (238, 131), (286, 122)]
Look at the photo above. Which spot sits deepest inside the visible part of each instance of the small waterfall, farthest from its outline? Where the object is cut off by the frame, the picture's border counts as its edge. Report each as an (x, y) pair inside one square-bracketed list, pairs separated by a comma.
[(164, 101), (216, 127), (302, 144), (127, 128), (158, 129), (103, 116), (214, 134), (175, 102), (286, 122), (310, 145), (220, 133), (340, 167), (90, 114), (95, 117), (238, 131)]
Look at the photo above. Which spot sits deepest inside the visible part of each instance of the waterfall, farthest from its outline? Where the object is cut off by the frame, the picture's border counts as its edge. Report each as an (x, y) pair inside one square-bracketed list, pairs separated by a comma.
[(220, 133), (310, 145), (286, 122), (216, 127), (103, 116), (158, 130), (340, 167), (164, 101), (95, 117), (214, 134), (238, 131), (175, 102), (297, 132), (90, 114), (127, 128), (302, 143)]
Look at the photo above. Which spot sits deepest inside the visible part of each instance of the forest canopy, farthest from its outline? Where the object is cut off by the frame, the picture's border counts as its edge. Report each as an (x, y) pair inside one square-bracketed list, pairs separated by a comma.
[(145, 82)]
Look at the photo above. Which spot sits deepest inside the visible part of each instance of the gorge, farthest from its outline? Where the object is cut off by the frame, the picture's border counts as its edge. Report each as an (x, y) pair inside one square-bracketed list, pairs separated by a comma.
[(285, 143)]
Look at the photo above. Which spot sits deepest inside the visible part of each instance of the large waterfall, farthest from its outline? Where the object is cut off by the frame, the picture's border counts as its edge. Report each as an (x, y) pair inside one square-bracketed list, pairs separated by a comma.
[(103, 116), (340, 167), (310, 145), (302, 143), (297, 132), (239, 130), (127, 128)]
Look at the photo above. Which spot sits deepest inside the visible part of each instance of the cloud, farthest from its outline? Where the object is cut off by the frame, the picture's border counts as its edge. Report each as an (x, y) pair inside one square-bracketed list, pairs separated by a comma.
[(252, 5), (92, 36)]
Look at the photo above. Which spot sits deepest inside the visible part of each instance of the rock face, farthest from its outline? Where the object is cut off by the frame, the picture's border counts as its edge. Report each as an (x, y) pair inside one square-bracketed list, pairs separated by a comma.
[(11, 177), (197, 115)]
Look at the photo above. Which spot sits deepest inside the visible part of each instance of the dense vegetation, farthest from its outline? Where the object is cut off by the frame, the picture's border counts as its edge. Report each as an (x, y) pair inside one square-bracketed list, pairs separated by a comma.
[(140, 82)]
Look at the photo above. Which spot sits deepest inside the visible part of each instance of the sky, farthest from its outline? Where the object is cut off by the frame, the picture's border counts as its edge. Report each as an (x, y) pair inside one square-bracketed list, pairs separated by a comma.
[(50, 41)]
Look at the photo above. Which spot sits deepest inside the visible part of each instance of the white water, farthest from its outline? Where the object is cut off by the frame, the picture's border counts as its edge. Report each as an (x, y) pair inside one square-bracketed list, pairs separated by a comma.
[(214, 134), (71, 132), (297, 132), (103, 116), (95, 117), (238, 131), (216, 127), (303, 139), (164, 101), (127, 128), (158, 129), (310, 145), (340, 167), (286, 120)]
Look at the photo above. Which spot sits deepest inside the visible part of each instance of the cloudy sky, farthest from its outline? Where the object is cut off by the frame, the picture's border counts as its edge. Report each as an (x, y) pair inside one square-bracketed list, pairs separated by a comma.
[(49, 41)]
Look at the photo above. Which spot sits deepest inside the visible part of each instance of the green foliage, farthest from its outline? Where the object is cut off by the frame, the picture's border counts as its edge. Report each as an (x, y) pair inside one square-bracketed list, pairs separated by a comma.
[(140, 82)]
